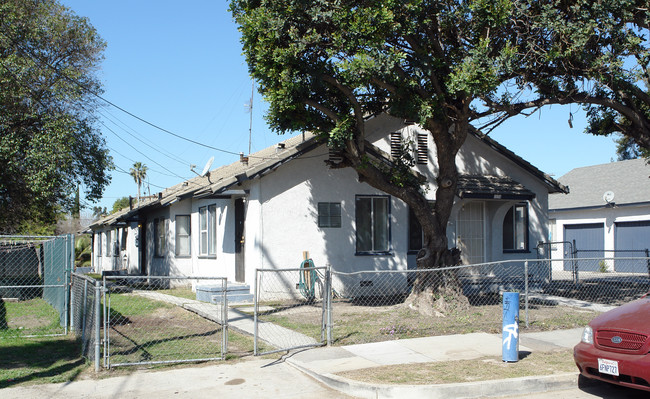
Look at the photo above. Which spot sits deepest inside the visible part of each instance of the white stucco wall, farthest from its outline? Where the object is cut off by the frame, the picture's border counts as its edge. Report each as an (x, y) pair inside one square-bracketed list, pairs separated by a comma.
[(608, 216), (282, 217)]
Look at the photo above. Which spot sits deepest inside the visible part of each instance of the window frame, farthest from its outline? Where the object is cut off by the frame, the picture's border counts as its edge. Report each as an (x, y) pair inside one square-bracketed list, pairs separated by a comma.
[(178, 236), (160, 237), (374, 251), (209, 214), (329, 220), (525, 225), (414, 223), (109, 243)]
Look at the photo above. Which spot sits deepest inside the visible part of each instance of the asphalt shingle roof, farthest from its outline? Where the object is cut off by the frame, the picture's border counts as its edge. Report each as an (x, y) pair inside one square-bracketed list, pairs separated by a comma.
[(486, 186), (628, 180)]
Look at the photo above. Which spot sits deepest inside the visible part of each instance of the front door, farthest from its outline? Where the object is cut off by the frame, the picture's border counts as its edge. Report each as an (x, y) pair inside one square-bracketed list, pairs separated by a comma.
[(142, 246), (471, 233), (240, 217)]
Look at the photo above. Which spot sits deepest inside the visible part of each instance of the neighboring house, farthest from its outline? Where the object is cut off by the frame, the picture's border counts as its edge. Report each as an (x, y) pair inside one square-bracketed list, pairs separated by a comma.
[(606, 214), (266, 209)]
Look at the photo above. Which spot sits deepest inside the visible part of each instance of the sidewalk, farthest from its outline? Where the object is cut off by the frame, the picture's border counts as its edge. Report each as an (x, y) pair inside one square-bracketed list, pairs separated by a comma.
[(323, 363), (260, 378)]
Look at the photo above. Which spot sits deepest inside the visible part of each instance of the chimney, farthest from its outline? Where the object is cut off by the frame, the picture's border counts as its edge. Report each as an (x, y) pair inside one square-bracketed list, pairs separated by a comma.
[(243, 159)]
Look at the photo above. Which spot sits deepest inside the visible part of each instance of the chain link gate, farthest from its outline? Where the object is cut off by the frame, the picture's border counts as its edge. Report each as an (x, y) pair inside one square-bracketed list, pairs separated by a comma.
[(156, 320), (34, 289), (291, 309)]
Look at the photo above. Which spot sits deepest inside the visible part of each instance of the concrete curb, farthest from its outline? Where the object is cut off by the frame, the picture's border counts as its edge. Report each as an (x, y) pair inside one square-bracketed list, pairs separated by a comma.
[(479, 389)]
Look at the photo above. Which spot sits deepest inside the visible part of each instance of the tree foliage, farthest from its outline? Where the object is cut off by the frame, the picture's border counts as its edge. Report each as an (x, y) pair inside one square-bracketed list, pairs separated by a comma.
[(48, 142), (139, 174), (449, 65), (326, 65), (120, 203)]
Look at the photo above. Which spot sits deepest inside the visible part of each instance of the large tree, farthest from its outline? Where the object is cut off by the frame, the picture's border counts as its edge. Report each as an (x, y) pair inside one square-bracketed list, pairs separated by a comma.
[(48, 141), (449, 65)]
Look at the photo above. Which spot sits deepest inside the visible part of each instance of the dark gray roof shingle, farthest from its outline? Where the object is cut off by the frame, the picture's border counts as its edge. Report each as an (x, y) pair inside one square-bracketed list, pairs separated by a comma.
[(628, 180)]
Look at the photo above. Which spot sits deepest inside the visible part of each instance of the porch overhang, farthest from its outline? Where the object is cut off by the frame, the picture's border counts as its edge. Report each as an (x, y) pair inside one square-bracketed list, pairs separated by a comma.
[(492, 187)]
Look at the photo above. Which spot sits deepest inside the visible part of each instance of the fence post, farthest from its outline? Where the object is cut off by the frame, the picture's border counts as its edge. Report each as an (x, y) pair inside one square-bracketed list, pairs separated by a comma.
[(256, 302), (224, 319), (647, 255), (328, 290), (526, 290), (98, 323)]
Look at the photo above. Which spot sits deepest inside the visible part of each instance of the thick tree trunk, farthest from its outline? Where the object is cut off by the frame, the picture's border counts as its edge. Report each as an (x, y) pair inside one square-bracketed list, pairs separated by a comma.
[(439, 292)]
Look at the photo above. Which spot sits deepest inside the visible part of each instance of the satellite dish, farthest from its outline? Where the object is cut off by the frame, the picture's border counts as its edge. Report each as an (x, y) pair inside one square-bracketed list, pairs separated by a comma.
[(206, 168), (608, 197)]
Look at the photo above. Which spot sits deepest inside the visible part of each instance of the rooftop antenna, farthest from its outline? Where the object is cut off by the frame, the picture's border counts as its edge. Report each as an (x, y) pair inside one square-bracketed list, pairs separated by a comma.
[(249, 106)]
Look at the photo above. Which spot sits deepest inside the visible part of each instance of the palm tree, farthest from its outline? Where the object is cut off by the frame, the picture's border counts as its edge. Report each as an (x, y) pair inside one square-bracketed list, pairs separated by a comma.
[(139, 173)]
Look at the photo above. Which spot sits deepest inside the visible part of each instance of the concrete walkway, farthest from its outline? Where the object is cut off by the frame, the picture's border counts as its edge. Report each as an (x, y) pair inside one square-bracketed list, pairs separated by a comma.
[(276, 336), (323, 363)]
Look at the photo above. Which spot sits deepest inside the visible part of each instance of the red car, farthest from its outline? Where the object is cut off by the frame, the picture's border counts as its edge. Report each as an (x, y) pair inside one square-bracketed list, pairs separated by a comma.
[(615, 346)]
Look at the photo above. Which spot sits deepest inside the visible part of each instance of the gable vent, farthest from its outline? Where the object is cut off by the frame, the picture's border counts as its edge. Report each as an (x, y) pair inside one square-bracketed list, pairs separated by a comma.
[(335, 156), (422, 155), (395, 144)]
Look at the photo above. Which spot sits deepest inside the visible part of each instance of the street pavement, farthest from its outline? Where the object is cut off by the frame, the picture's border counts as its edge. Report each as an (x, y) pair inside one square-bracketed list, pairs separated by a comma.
[(289, 376)]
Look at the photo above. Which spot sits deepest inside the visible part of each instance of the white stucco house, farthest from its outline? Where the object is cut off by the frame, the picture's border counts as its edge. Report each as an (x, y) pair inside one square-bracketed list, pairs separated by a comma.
[(266, 209), (605, 215)]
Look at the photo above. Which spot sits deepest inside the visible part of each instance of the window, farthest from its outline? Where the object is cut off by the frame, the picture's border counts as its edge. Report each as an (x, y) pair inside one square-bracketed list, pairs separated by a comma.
[(208, 230), (329, 214), (109, 244), (183, 235), (415, 232), (100, 243), (373, 227), (160, 234), (125, 234), (515, 229), (416, 238)]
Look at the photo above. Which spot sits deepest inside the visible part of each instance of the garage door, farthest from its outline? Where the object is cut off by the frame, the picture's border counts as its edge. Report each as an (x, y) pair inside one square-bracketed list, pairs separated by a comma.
[(632, 239), (589, 242)]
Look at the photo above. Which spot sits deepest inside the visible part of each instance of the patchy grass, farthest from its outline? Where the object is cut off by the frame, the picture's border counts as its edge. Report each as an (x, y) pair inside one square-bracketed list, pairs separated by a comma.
[(360, 322), (43, 360), (487, 368), (29, 317)]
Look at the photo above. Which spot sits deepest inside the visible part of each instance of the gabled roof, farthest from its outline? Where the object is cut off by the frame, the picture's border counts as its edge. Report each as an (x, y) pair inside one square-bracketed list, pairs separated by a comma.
[(220, 180), (628, 180)]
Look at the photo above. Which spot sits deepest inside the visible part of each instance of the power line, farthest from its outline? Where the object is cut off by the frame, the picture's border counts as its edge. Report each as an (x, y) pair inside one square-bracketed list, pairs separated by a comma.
[(135, 136)]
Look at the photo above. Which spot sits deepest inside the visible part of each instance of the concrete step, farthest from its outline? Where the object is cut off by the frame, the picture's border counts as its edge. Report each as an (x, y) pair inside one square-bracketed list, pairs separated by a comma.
[(237, 293)]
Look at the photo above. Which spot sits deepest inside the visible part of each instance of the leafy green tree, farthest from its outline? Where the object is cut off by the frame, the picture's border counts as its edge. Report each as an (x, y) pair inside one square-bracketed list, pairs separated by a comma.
[(627, 148), (48, 142), (449, 65), (120, 203), (139, 174), (99, 212)]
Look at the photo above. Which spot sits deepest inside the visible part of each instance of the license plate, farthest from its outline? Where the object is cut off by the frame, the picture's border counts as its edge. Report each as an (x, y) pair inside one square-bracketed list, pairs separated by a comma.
[(608, 366)]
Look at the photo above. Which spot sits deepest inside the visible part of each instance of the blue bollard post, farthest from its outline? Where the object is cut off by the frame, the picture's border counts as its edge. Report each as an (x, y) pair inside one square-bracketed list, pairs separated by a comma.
[(510, 343)]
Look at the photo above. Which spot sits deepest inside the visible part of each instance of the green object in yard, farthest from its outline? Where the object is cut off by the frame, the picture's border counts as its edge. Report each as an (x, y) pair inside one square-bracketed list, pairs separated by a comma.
[(308, 279)]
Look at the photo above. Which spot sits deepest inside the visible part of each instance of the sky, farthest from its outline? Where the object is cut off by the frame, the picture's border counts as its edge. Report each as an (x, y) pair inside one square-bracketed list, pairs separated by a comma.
[(179, 66)]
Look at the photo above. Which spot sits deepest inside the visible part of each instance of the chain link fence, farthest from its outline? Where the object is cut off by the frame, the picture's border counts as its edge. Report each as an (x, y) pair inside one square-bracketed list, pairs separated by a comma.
[(371, 306), (34, 275), (290, 310), (156, 319), (85, 312)]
